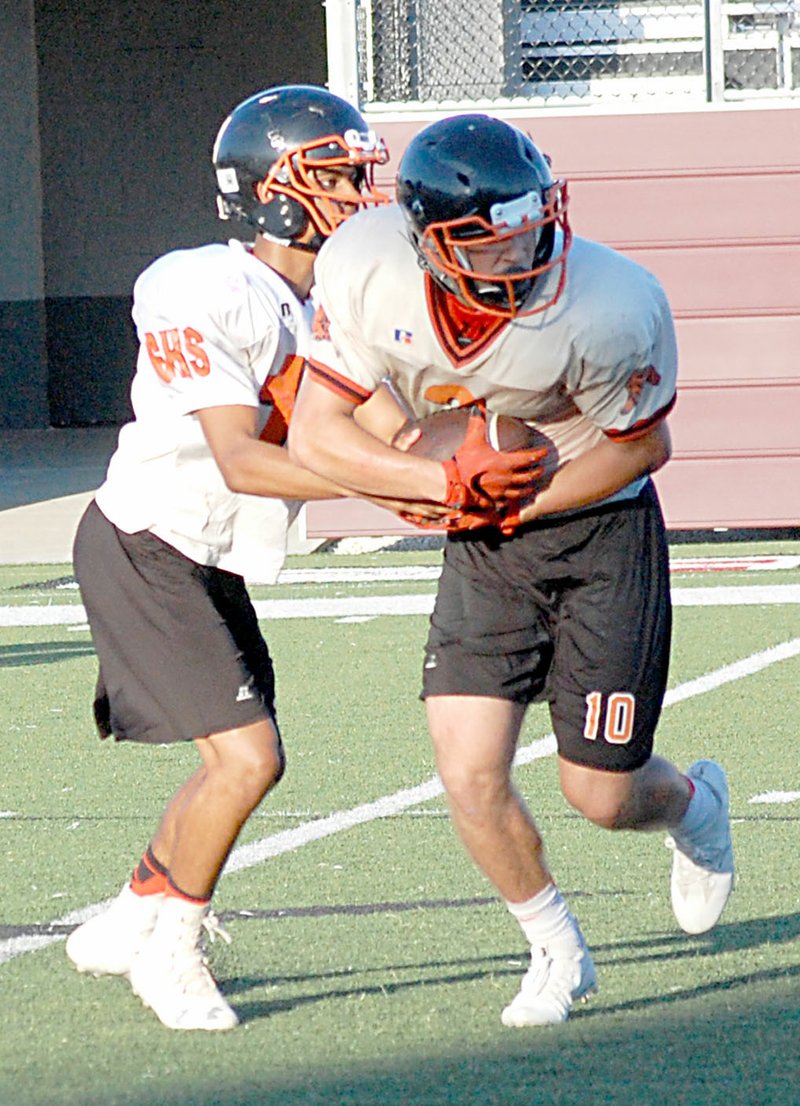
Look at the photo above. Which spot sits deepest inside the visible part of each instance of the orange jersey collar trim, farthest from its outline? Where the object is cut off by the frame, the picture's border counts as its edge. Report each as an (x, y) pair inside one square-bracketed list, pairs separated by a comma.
[(451, 321)]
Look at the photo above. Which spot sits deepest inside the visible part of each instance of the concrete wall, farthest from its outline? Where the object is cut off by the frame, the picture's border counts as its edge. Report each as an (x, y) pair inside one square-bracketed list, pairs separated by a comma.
[(124, 101), (23, 371)]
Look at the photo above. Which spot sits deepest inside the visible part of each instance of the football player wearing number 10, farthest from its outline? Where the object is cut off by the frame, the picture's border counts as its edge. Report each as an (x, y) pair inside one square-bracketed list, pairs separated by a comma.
[(194, 502), (472, 290)]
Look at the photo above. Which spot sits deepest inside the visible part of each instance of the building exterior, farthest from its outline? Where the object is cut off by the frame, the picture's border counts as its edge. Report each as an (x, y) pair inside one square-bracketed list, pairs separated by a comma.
[(676, 124)]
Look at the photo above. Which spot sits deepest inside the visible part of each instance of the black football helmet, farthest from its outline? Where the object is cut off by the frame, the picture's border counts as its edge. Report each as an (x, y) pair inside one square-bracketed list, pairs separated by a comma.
[(282, 136), (482, 210)]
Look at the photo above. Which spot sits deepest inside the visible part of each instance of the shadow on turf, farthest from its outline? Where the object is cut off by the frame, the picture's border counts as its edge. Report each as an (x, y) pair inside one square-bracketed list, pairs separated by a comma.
[(43, 652), (250, 1011), (735, 937), (740, 1052), (727, 937)]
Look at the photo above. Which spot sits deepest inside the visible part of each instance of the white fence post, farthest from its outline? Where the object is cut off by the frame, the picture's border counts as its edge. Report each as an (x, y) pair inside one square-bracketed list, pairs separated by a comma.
[(714, 55), (342, 42)]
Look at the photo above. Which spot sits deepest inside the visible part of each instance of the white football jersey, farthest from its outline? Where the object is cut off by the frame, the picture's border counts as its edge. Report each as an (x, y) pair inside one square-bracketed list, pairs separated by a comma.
[(601, 360), (214, 324)]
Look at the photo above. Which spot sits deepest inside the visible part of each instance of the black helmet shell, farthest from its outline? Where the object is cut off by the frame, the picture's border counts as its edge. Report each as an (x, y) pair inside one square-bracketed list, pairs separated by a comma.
[(461, 166)]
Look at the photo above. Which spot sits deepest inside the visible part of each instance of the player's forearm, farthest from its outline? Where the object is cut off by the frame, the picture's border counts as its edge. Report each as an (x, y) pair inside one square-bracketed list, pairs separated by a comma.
[(600, 472), (267, 470), (259, 468), (356, 459)]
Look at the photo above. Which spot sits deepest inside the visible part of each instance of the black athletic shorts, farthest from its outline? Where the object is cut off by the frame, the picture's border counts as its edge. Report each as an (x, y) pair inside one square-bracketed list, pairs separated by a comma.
[(180, 650), (575, 611)]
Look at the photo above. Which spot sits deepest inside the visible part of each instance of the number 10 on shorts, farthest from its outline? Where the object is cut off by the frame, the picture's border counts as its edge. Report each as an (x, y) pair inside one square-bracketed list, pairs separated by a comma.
[(619, 710)]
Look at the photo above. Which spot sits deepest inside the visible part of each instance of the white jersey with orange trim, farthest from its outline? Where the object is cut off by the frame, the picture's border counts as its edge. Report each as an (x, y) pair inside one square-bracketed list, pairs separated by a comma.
[(601, 360), (214, 324)]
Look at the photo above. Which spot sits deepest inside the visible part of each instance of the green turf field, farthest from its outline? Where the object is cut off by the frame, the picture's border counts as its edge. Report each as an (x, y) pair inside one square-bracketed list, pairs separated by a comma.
[(369, 960)]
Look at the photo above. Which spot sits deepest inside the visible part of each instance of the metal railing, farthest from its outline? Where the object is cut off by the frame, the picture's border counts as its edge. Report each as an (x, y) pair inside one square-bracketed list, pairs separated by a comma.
[(403, 53)]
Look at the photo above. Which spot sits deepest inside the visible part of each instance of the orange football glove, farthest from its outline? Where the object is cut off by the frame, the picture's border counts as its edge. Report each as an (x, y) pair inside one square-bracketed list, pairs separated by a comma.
[(455, 520), (508, 521), (479, 476), (471, 520), (426, 523), (443, 522)]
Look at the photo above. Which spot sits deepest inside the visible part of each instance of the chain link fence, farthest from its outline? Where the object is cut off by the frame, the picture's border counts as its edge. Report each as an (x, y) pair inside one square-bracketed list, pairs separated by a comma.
[(406, 52)]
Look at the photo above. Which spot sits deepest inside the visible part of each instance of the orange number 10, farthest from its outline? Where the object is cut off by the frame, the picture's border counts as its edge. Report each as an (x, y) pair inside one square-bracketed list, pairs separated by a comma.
[(619, 717)]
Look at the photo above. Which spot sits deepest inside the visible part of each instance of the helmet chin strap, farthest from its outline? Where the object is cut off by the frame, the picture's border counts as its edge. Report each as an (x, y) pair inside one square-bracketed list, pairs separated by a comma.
[(314, 246)]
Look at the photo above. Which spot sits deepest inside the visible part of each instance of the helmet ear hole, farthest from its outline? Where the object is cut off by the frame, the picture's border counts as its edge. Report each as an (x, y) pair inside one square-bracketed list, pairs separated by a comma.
[(276, 213), (283, 217)]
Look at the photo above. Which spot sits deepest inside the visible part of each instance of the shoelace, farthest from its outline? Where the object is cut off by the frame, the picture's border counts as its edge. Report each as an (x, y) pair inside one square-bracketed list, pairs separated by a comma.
[(214, 929), (547, 972), (195, 976), (192, 963)]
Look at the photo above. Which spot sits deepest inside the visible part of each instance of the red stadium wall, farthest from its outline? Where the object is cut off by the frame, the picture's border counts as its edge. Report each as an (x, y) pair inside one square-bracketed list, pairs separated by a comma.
[(710, 202)]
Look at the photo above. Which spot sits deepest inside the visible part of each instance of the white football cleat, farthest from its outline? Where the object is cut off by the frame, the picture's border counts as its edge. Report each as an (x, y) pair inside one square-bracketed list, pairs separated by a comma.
[(108, 943), (171, 977), (702, 869), (561, 973)]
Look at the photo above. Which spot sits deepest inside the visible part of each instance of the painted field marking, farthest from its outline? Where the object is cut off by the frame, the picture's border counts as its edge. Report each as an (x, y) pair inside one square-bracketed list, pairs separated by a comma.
[(372, 606), (378, 573), (247, 856), (776, 797), (734, 564), (370, 574)]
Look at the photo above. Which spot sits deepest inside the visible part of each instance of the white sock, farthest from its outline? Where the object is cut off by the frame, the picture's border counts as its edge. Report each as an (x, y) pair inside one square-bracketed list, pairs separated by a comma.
[(178, 921), (144, 906), (701, 812), (545, 916)]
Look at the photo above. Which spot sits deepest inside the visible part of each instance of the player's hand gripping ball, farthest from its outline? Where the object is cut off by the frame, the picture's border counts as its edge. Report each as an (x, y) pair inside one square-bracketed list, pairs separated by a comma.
[(451, 436)]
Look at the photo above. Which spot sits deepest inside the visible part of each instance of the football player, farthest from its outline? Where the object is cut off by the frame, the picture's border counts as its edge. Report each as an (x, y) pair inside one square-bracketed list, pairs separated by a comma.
[(471, 290), (197, 498)]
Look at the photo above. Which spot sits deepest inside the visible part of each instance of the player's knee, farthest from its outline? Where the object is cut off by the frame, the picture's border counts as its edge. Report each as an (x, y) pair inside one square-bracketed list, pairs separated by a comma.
[(602, 808), (253, 770), (265, 767), (474, 794), (608, 817)]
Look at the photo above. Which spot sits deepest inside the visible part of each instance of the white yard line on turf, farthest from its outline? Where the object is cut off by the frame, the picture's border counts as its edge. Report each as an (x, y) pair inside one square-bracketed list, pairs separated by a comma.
[(354, 574), (366, 606), (247, 856), (371, 574), (776, 797)]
